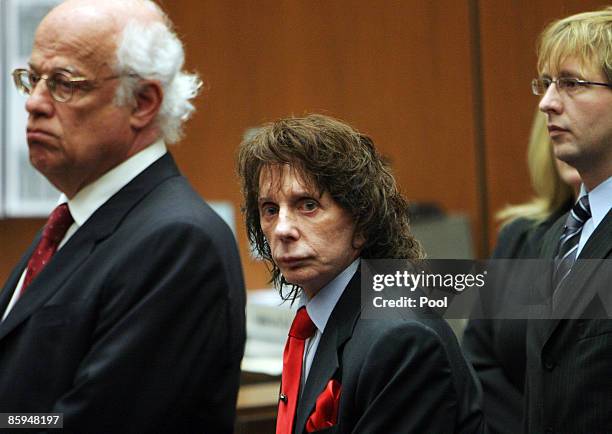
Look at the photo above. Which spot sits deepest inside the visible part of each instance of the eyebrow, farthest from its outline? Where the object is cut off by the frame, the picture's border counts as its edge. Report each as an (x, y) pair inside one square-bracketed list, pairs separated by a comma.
[(565, 73), (68, 69), (295, 196), (569, 73)]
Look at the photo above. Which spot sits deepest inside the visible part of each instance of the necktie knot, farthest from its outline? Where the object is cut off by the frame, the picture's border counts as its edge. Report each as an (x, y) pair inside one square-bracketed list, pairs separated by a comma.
[(302, 326), (58, 223), (580, 213)]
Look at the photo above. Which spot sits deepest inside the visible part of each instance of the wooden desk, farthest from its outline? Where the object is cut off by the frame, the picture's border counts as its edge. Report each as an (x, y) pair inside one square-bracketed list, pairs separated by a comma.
[(256, 409)]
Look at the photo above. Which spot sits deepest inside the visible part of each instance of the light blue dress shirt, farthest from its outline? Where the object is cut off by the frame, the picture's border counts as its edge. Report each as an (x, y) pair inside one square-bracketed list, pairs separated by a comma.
[(319, 309), (600, 201)]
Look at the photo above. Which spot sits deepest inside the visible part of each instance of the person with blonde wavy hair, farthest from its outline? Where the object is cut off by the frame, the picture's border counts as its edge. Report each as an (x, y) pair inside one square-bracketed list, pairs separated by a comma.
[(554, 182)]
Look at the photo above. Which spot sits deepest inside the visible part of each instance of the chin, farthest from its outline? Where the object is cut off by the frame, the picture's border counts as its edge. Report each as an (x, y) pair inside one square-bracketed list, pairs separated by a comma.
[(296, 278), (566, 152), (39, 163)]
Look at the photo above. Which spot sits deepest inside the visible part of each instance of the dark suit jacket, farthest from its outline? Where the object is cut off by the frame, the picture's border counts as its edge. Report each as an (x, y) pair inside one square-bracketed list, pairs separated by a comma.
[(137, 324), (496, 347), (397, 376), (568, 387)]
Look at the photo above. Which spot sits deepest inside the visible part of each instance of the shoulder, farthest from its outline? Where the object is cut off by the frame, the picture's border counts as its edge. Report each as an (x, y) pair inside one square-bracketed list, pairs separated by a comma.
[(511, 237), (406, 339), (538, 234), (173, 207), (549, 236), (384, 352)]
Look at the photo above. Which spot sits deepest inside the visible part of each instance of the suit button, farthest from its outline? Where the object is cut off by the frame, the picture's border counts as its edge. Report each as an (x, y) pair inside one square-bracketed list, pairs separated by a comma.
[(549, 365)]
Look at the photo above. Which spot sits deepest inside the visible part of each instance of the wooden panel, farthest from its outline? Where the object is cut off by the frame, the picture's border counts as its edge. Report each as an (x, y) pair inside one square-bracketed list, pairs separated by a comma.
[(509, 30), (15, 236), (400, 72)]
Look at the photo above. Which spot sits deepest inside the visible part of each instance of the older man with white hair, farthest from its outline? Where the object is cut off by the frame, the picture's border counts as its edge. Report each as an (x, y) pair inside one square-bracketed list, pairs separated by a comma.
[(126, 314)]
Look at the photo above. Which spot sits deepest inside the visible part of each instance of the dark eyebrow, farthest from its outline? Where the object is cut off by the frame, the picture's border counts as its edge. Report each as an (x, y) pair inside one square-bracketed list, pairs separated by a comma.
[(572, 74)]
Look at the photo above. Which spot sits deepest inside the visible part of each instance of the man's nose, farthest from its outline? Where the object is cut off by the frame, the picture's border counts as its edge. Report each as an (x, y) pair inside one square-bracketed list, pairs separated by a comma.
[(40, 102), (286, 225), (551, 100)]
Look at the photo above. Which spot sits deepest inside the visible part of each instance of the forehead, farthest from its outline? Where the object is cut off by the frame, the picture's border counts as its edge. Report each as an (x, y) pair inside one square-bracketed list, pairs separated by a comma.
[(570, 65), (285, 177), (556, 53), (78, 39)]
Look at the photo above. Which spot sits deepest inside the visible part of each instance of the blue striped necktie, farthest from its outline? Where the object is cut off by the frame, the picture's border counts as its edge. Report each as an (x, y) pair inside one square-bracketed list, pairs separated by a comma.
[(568, 244)]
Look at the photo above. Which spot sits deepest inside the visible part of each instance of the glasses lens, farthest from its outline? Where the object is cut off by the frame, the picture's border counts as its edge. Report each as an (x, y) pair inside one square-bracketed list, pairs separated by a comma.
[(539, 86), (22, 81), (60, 86), (568, 84)]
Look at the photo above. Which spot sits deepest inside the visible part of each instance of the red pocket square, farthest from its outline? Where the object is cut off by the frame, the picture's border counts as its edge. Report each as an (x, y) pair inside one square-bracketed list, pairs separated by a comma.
[(325, 414)]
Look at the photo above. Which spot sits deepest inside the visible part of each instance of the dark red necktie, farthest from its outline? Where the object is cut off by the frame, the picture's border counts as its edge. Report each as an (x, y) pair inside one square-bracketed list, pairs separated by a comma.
[(302, 328), (58, 223)]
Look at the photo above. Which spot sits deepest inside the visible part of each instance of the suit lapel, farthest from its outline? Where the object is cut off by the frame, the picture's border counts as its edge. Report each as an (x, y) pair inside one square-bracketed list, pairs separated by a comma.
[(326, 362), (575, 295), (540, 330), (78, 248), (49, 280)]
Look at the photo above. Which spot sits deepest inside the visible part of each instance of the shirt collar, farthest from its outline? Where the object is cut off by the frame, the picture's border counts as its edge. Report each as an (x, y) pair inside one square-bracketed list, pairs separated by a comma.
[(600, 200), (320, 307), (94, 195)]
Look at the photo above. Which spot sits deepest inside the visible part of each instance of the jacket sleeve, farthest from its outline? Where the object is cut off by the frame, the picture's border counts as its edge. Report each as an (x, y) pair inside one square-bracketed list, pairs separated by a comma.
[(413, 382), (503, 400)]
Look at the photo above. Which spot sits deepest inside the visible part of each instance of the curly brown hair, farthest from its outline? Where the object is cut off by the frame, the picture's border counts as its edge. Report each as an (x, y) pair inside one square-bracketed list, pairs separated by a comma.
[(336, 159)]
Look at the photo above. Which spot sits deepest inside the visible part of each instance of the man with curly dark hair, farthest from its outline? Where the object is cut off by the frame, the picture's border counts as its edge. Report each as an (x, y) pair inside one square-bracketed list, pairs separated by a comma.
[(318, 198)]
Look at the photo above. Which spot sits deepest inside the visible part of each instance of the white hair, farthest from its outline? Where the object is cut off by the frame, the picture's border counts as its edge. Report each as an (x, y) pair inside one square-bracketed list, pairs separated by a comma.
[(153, 51)]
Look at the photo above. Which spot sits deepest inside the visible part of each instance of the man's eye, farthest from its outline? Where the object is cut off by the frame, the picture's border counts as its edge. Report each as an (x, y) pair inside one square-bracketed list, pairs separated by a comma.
[(33, 78), (568, 83), (62, 83), (268, 210), (310, 205)]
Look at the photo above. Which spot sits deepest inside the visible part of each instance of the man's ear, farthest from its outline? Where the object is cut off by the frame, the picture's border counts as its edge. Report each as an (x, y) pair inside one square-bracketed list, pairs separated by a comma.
[(359, 240), (148, 100)]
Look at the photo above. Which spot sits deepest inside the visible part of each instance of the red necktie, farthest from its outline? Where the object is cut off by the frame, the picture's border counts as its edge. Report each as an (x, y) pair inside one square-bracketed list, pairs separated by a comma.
[(54, 231), (302, 328)]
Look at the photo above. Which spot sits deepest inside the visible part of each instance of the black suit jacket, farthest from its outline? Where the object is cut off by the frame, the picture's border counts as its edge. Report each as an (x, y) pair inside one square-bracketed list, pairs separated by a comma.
[(496, 347), (137, 324), (397, 376), (569, 361)]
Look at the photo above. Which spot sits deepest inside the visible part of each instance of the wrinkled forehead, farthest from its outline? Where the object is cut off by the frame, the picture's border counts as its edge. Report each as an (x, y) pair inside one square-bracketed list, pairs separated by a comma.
[(88, 31), (273, 177), (82, 38)]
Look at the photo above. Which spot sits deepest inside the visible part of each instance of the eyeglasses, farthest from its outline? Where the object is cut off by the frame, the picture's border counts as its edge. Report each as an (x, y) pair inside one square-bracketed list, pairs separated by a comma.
[(61, 85), (539, 86)]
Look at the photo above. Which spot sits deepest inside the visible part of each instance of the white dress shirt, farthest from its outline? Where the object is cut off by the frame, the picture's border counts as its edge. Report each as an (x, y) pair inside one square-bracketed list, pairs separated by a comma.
[(319, 309)]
